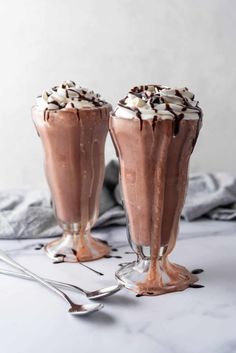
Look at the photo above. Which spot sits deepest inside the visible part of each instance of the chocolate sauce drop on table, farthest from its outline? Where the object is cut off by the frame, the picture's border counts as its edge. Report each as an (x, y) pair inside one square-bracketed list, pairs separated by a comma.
[(115, 257), (196, 286), (62, 256), (39, 246), (197, 271)]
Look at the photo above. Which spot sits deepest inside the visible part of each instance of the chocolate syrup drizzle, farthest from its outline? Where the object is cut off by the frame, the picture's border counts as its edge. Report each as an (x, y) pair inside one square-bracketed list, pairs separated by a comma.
[(46, 112), (154, 98), (80, 94), (45, 115)]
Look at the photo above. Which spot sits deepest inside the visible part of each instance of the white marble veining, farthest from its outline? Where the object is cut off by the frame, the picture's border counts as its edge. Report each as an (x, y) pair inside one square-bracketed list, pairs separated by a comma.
[(194, 321)]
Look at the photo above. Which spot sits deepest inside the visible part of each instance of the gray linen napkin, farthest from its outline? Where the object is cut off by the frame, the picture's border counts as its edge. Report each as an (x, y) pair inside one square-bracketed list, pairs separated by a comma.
[(28, 213), (212, 195)]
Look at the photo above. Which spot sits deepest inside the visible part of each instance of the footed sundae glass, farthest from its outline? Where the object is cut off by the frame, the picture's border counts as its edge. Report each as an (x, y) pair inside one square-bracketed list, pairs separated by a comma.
[(72, 123), (154, 130)]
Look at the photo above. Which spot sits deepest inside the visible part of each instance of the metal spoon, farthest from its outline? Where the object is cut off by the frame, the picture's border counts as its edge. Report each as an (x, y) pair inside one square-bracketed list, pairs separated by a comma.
[(99, 293), (75, 309)]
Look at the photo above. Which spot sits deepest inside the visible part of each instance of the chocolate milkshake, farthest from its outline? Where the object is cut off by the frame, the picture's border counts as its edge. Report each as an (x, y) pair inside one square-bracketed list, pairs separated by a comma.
[(155, 129), (72, 123)]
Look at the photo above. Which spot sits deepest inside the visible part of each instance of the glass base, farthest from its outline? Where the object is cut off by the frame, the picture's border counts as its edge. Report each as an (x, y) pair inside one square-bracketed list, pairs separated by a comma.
[(146, 278), (74, 248)]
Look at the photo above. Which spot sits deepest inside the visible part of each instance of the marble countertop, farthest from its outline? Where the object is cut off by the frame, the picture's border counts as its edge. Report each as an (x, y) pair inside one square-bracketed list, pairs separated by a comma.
[(194, 321)]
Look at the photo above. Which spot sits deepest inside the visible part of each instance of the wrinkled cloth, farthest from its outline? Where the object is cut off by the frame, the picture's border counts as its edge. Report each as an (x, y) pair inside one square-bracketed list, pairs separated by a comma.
[(212, 195), (29, 213), (26, 214)]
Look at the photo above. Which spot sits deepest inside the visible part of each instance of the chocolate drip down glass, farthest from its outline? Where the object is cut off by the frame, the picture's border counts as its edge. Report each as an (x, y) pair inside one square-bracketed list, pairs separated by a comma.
[(73, 142), (154, 175)]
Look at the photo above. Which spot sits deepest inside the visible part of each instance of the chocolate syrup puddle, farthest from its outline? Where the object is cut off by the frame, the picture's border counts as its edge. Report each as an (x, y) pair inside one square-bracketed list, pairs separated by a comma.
[(61, 260), (196, 286), (113, 256), (39, 246), (114, 249), (139, 295), (196, 271)]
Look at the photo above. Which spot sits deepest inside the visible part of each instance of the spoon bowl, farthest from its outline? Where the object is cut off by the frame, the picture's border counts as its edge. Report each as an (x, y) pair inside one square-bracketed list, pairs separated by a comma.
[(103, 292), (84, 309)]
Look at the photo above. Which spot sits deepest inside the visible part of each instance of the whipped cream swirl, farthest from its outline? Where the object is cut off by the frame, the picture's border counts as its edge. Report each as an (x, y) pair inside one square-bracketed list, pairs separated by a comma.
[(153, 101), (68, 95)]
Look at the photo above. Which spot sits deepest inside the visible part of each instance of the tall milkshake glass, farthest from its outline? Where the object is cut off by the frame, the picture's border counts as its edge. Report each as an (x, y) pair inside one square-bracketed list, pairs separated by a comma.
[(72, 123), (154, 130)]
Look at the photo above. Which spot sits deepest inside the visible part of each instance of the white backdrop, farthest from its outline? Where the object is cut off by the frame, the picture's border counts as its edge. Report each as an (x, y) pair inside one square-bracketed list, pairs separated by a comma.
[(109, 46)]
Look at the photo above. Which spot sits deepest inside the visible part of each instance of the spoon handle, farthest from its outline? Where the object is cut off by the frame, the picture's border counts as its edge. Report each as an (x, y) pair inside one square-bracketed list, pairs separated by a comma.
[(7, 259), (53, 282)]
